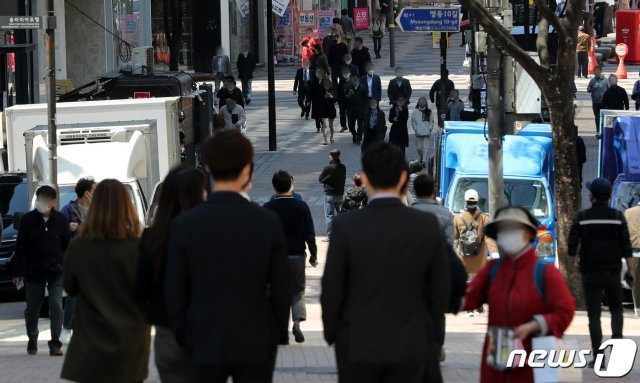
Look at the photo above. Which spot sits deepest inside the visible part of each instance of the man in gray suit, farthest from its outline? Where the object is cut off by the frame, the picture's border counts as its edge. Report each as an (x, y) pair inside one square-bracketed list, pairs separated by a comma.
[(221, 68), (386, 285)]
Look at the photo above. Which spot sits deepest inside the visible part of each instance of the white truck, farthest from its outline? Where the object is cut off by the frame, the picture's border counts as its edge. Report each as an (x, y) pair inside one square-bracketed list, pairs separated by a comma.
[(135, 141)]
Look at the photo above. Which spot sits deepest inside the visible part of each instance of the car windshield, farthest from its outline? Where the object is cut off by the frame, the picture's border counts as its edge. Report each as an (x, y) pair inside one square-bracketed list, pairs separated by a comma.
[(13, 198), (627, 195), (529, 194)]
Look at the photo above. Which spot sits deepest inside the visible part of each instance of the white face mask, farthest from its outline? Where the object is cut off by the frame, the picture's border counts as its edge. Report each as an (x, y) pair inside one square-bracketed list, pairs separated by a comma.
[(512, 242), (613, 82), (43, 207), (370, 72)]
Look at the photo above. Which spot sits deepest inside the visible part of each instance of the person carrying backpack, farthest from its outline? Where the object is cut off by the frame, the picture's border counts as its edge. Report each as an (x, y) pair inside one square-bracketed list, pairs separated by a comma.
[(527, 296), (471, 244)]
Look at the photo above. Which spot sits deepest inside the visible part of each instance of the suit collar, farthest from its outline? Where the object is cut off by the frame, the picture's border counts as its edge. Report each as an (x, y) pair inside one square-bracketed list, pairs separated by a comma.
[(226, 196), (385, 202)]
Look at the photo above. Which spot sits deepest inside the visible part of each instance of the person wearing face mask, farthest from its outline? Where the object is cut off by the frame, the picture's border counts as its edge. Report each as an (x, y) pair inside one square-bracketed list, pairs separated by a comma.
[(234, 115), (357, 101), (398, 117), (303, 78), (360, 56), (373, 83), (43, 238), (399, 87), (435, 96), (76, 211), (221, 67), (230, 90), (471, 243), (341, 92), (246, 64), (337, 53), (455, 106), (423, 124), (319, 60), (526, 296), (323, 109), (375, 125), (615, 97)]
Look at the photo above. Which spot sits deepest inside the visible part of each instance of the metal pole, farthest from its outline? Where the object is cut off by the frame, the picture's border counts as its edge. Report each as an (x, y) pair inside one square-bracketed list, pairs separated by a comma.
[(273, 145), (494, 122), (51, 96), (392, 37), (443, 77)]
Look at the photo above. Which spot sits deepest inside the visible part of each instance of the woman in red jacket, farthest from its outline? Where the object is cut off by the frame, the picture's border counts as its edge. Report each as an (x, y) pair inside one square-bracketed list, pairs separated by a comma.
[(526, 297)]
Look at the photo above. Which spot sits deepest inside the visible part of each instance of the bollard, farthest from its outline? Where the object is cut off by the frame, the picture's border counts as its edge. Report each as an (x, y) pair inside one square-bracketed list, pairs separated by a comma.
[(621, 52)]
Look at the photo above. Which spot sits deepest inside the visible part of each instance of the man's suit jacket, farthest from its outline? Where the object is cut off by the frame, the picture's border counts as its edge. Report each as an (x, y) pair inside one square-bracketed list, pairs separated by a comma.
[(227, 282), (300, 86), (376, 86), (386, 283), (394, 91)]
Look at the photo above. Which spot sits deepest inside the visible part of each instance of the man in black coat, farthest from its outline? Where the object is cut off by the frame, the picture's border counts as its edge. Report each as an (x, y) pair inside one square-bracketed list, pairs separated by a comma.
[(435, 94), (301, 83), (399, 87), (336, 57), (246, 64), (42, 240), (227, 282), (615, 97), (230, 90), (375, 125), (357, 102), (386, 285), (360, 55)]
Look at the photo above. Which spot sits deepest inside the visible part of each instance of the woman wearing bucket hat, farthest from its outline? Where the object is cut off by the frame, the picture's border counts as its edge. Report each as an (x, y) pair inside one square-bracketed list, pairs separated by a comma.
[(527, 297)]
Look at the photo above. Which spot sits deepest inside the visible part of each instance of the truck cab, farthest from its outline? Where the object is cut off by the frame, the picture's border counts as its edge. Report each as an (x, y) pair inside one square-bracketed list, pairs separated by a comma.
[(527, 168)]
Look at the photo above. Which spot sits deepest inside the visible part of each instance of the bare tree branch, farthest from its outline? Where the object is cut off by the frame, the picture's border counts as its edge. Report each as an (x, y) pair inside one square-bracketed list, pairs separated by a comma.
[(541, 42), (548, 14), (504, 39)]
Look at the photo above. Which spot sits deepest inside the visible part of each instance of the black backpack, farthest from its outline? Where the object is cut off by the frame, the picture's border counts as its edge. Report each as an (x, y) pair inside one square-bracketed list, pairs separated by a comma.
[(469, 243)]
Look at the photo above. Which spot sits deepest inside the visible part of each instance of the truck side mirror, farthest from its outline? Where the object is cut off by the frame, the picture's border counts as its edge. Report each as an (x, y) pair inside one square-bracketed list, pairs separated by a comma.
[(17, 218)]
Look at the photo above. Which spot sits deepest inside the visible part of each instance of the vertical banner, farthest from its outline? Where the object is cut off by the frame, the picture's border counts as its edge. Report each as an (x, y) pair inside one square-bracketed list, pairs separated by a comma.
[(279, 7), (285, 36), (361, 18), (325, 19)]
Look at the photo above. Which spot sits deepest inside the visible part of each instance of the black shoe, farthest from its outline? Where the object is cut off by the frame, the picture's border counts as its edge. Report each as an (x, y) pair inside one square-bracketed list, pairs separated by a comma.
[(55, 351), (32, 347), (317, 130), (297, 334), (593, 362), (248, 101), (306, 117), (359, 142), (302, 114)]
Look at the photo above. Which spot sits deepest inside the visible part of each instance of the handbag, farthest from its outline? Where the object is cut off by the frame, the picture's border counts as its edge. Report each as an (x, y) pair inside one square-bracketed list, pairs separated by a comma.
[(548, 374)]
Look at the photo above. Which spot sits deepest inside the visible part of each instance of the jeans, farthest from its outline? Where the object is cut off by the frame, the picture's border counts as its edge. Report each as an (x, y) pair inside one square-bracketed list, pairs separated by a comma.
[(34, 297), (69, 308), (169, 357), (246, 88), (595, 284), (332, 205), (597, 106), (298, 285)]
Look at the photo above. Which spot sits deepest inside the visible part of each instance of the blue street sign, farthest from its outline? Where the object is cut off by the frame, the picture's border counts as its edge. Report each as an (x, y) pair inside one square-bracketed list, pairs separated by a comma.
[(429, 20)]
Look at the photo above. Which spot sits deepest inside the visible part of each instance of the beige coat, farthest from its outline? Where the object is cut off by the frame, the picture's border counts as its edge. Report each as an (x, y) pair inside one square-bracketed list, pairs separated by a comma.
[(475, 263)]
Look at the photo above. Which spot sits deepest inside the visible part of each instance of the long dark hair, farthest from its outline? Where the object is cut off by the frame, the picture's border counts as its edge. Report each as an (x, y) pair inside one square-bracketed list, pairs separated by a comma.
[(181, 190), (426, 114)]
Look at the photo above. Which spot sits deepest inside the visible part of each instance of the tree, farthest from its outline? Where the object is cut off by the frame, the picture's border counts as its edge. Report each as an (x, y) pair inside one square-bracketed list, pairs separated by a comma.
[(557, 91), (173, 30)]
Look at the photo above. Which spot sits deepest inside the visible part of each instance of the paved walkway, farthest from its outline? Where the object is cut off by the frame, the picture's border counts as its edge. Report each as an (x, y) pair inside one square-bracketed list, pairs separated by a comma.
[(300, 152)]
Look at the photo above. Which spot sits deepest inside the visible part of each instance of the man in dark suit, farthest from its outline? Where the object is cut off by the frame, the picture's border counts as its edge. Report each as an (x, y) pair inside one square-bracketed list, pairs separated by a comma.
[(227, 282), (375, 125), (386, 285), (357, 102), (399, 87), (304, 76), (372, 82)]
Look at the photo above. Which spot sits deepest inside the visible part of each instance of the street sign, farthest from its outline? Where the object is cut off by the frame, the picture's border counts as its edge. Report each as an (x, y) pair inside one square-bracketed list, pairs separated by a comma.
[(429, 20), (21, 22), (622, 50)]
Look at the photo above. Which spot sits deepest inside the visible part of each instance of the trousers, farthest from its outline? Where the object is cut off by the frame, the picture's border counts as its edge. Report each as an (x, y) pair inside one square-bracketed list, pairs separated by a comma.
[(35, 297), (595, 284), (169, 357), (298, 285)]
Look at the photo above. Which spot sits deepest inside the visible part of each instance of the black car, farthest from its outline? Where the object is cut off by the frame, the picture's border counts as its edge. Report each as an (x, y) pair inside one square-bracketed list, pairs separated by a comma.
[(13, 204)]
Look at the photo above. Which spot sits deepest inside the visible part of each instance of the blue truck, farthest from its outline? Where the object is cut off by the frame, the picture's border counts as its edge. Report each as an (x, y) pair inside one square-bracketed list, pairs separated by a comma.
[(528, 173)]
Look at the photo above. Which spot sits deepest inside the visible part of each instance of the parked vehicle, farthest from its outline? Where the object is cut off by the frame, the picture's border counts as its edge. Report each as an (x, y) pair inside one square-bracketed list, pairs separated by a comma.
[(527, 167), (13, 204)]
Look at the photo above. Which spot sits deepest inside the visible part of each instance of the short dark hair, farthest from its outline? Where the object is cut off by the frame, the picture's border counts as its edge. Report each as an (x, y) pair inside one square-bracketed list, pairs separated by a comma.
[(357, 180), (336, 20), (230, 78), (345, 11), (415, 167), (359, 39), (424, 185), (281, 181), (226, 154), (335, 154), (383, 163), (47, 191), (84, 185)]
